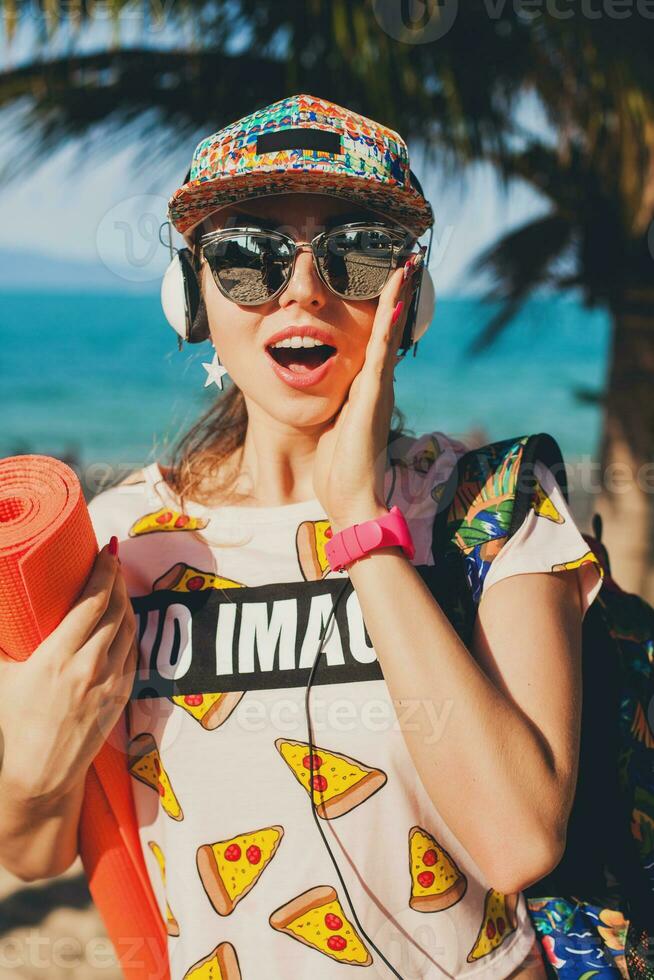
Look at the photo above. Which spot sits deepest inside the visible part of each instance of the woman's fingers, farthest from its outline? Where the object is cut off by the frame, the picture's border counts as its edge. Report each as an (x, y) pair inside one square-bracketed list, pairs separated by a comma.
[(93, 654), (79, 623), (386, 335), (115, 685), (383, 327), (122, 655)]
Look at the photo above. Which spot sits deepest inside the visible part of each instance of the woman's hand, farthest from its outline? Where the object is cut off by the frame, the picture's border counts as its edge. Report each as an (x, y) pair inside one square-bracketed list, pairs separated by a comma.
[(350, 460), (60, 705)]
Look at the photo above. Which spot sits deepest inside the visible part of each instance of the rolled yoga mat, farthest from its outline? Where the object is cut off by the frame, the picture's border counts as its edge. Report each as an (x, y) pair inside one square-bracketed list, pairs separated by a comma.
[(47, 550)]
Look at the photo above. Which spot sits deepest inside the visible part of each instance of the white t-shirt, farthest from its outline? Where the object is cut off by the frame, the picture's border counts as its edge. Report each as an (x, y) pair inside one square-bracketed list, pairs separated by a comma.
[(230, 603)]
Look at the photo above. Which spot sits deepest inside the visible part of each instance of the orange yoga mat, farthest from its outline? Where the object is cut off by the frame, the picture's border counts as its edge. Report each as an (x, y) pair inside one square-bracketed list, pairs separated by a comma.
[(47, 550)]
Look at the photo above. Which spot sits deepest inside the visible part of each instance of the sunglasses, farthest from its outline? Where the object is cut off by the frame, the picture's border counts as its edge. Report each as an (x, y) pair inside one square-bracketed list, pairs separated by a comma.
[(252, 265)]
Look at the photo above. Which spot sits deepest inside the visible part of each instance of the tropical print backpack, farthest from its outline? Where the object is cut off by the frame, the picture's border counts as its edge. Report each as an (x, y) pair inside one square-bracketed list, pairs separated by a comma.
[(594, 913)]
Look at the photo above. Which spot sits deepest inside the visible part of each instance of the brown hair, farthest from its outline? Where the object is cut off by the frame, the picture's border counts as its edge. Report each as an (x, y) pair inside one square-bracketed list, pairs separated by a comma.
[(204, 461)]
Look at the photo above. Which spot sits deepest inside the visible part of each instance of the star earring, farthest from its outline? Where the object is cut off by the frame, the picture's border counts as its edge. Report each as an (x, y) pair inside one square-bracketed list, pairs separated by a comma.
[(215, 371)]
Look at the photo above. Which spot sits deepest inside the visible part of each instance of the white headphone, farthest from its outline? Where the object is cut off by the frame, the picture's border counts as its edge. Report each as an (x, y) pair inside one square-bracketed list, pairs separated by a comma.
[(184, 310)]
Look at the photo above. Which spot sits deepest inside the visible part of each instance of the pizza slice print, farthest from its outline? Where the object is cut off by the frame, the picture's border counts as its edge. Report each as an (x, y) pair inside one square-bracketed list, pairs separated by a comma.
[(166, 519), (229, 869), (210, 710), (181, 577), (310, 540), (316, 918), (172, 925), (499, 922), (437, 491), (543, 506), (436, 881), (339, 782), (588, 556), (220, 964), (425, 459), (144, 763)]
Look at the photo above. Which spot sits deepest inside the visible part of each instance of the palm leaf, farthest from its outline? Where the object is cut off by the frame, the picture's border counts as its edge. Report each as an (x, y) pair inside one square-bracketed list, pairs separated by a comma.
[(520, 261)]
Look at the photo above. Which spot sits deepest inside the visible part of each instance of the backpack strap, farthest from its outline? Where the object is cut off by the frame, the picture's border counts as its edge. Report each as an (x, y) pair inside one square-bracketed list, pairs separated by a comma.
[(483, 503), (486, 499)]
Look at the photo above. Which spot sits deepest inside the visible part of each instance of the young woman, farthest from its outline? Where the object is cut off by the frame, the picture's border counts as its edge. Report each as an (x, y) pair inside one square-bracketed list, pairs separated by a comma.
[(436, 780)]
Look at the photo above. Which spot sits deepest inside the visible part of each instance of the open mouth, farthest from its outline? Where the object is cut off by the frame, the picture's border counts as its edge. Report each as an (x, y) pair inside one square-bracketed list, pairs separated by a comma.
[(301, 359)]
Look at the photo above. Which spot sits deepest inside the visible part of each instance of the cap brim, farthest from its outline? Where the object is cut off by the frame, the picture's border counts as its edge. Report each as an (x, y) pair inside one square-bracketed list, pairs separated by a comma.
[(193, 201)]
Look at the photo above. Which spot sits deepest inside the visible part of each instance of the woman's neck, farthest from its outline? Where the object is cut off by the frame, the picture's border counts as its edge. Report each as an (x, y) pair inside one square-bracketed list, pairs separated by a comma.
[(276, 463)]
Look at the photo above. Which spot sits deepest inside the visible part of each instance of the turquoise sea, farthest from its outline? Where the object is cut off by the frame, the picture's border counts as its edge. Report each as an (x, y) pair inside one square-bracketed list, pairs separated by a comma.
[(98, 375)]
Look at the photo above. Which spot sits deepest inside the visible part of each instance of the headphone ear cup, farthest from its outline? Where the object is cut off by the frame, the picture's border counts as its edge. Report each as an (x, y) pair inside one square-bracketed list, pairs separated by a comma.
[(199, 330), (181, 299), (421, 311), (173, 300)]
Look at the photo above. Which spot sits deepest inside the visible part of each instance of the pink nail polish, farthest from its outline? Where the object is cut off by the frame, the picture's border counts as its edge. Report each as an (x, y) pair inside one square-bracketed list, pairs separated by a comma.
[(397, 311), (407, 266), (113, 545)]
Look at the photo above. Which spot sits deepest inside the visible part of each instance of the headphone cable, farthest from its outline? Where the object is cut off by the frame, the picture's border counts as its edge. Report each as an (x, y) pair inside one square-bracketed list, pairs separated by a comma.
[(311, 756), (311, 791)]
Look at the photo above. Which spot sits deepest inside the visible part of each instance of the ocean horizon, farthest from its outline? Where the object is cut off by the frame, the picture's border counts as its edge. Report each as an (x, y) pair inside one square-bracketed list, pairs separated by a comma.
[(97, 376)]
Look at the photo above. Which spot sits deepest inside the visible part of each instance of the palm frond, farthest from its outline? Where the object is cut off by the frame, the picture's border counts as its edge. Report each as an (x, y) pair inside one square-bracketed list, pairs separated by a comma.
[(520, 261)]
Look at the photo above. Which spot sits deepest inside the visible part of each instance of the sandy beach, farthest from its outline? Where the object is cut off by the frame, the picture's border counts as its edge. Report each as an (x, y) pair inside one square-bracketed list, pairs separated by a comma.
[(50, 928)]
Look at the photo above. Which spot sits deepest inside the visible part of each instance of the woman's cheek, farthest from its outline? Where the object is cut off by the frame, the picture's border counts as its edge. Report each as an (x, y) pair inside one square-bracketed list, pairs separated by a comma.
[(243, 365)]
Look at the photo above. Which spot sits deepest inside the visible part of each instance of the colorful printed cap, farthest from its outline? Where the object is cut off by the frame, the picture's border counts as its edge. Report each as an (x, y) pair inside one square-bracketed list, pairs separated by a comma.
[(302, 144)]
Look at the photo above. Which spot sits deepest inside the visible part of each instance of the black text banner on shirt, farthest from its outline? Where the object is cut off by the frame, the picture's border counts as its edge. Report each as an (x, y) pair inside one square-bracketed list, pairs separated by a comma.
[(252, 638)]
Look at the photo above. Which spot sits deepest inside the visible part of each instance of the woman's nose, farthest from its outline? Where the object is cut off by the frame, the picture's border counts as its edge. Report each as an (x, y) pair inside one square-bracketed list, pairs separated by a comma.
[(305, 285)]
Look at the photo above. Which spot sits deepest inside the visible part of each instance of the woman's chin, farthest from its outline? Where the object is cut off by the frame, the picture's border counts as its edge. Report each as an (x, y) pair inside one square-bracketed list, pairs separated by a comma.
[(299, 409)]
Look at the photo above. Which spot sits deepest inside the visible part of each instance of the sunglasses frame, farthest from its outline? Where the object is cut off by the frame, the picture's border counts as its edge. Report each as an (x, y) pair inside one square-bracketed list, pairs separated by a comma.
[(399, 236)]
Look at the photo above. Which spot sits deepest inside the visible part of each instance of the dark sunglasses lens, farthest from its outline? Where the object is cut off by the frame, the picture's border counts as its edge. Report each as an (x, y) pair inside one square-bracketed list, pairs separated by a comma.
[(249, 267), (357, 262)]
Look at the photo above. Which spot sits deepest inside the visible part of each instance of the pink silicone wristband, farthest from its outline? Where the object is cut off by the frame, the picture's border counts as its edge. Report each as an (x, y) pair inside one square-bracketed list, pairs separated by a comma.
[(358, 539)]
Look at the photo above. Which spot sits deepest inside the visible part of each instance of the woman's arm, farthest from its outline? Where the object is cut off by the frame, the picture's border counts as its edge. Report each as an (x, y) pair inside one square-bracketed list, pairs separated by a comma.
[(493, 732), (39, 840)]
